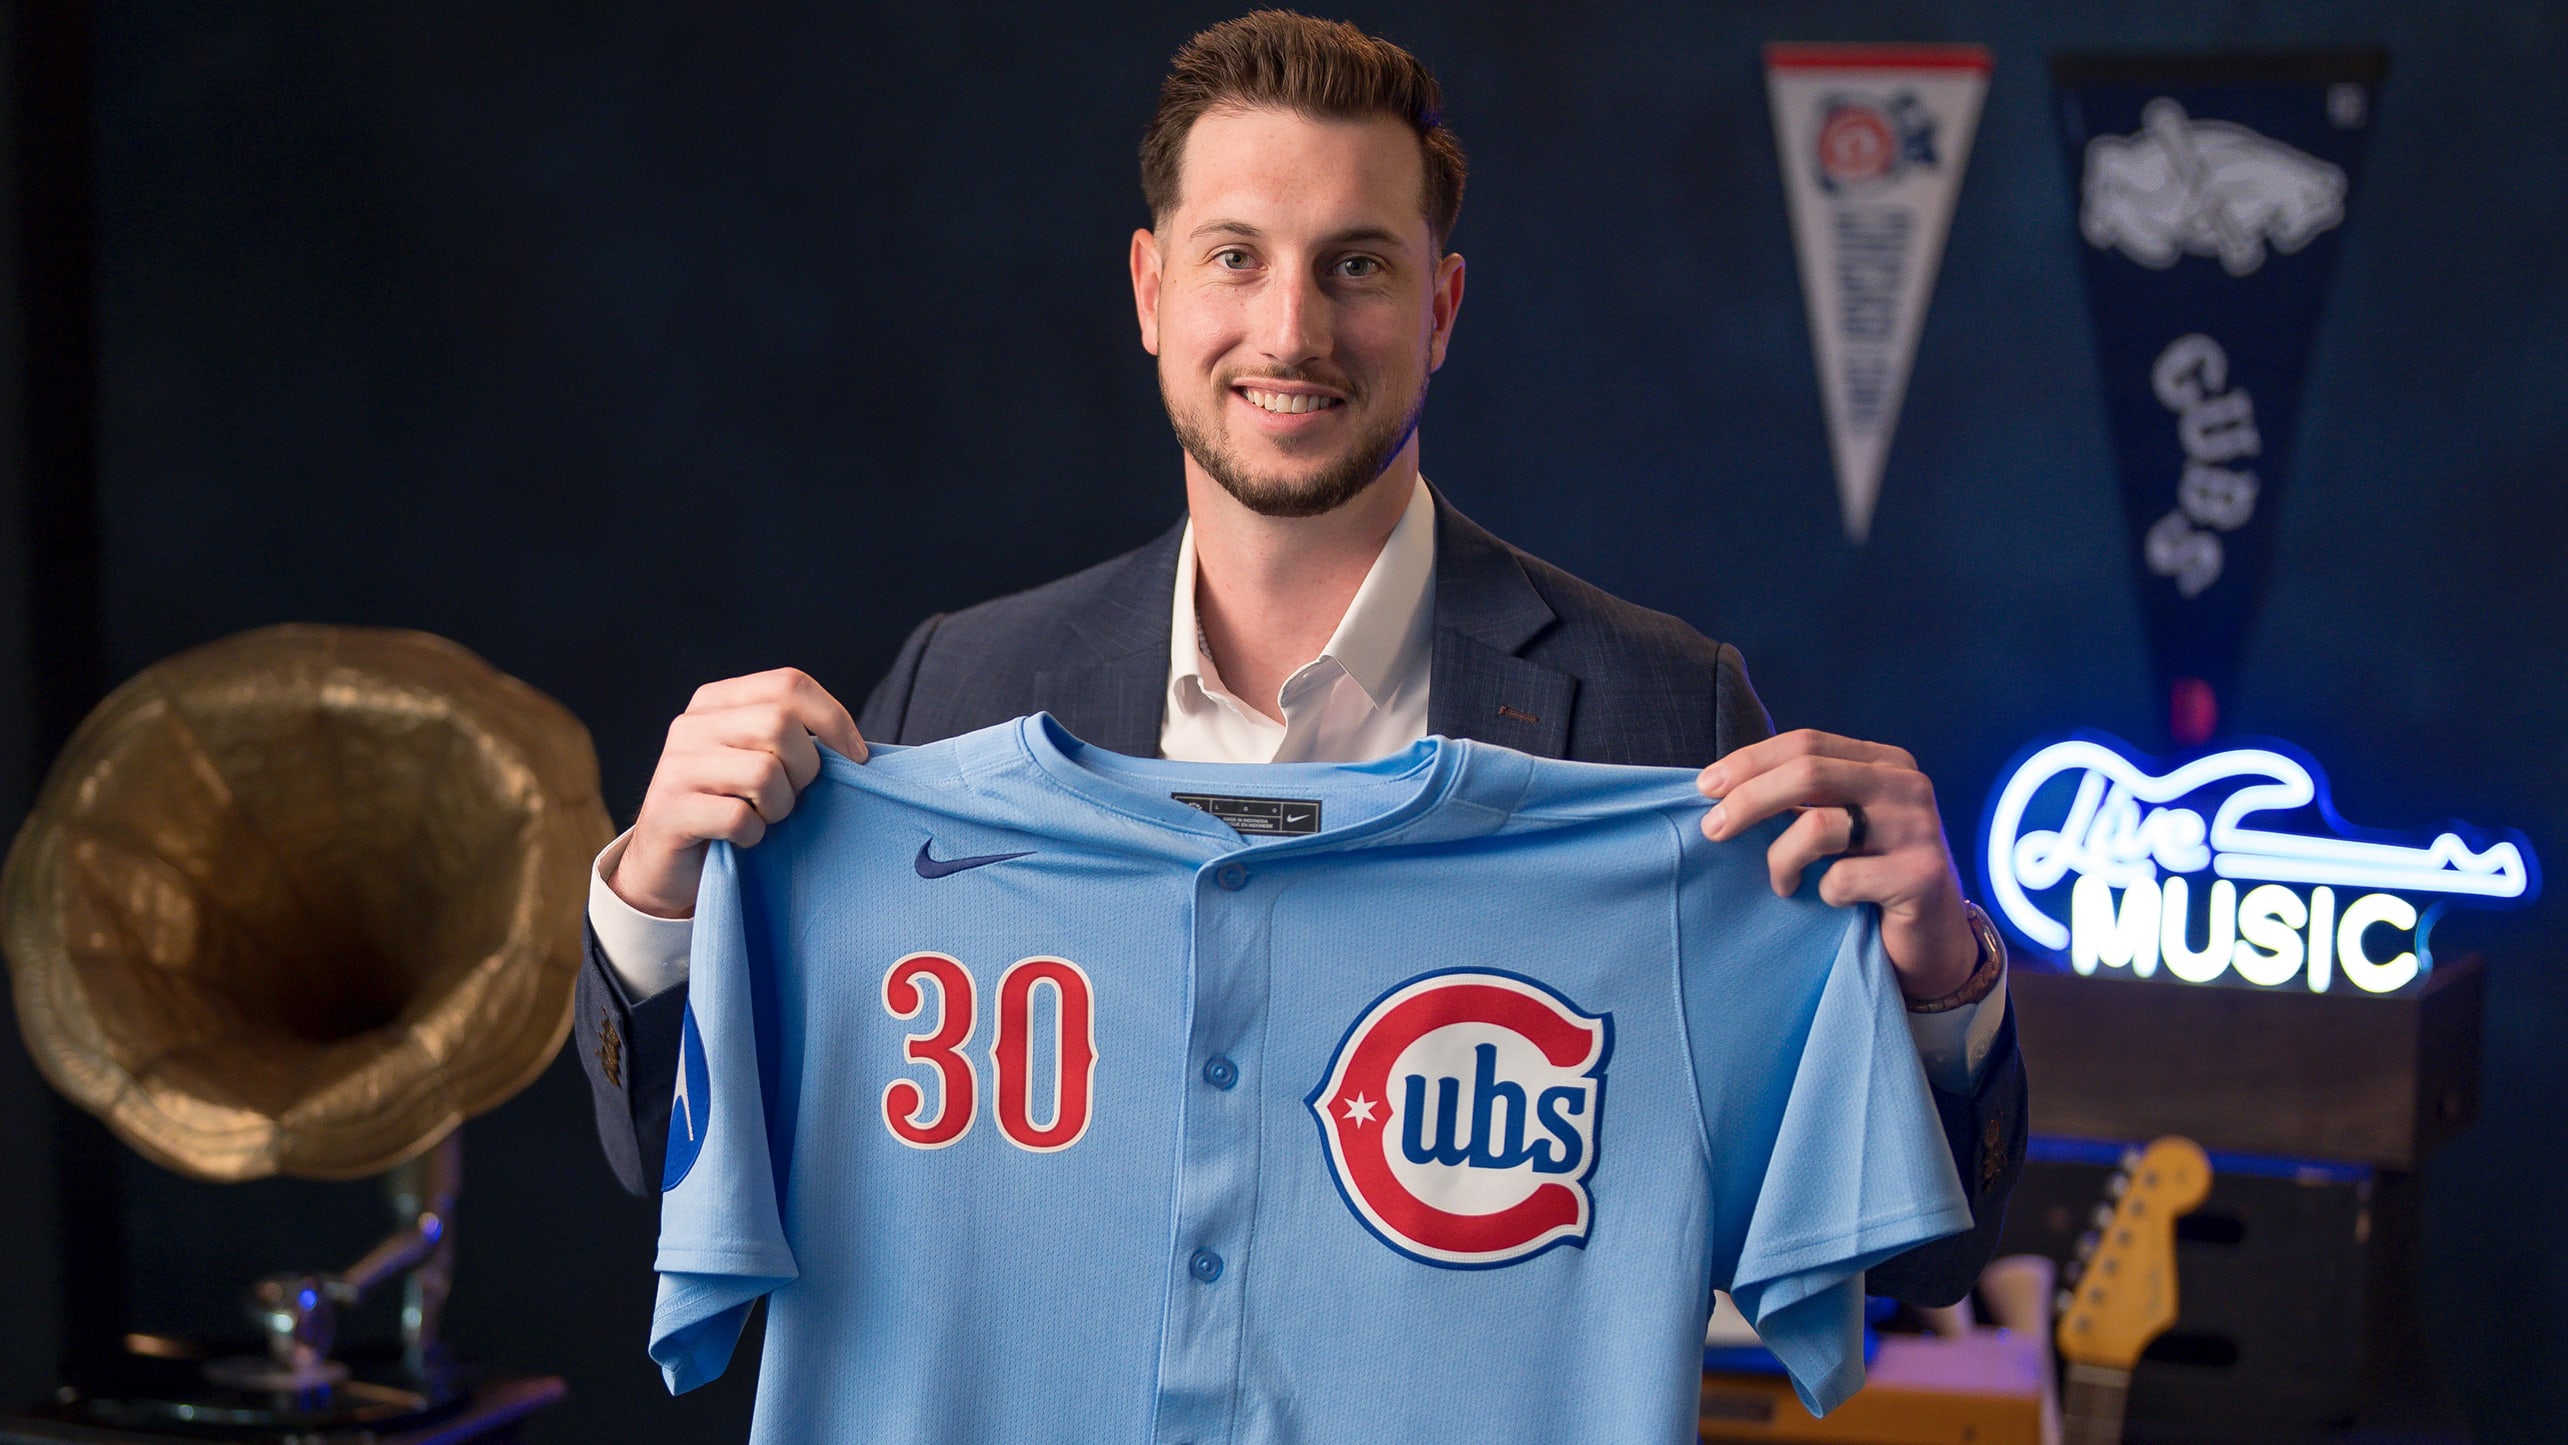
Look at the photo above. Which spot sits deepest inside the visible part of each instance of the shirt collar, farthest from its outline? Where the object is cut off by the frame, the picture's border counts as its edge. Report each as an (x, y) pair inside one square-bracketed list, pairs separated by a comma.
[(1383, 639)]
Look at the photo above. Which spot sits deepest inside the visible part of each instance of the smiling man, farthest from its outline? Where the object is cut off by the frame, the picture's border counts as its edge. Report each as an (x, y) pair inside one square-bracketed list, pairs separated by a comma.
[(1321, 602)]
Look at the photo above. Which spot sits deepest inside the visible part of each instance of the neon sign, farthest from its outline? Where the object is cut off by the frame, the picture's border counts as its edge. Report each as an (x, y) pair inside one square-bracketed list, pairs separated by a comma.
[(2094, 855)]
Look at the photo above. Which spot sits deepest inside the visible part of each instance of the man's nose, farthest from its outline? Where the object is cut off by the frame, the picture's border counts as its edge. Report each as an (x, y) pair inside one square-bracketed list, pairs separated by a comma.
[(1292, 321)]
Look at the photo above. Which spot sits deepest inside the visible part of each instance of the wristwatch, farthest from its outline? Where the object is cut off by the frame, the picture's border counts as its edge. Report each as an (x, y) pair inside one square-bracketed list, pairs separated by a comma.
[(1984, 976)]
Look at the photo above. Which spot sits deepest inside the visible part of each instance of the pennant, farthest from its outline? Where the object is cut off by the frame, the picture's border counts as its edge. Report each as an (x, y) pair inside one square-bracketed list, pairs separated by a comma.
[(1873, 140), (2212, 193)]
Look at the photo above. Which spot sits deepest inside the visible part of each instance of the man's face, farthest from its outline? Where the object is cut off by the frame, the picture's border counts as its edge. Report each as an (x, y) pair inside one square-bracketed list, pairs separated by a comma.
[(1295, 304)]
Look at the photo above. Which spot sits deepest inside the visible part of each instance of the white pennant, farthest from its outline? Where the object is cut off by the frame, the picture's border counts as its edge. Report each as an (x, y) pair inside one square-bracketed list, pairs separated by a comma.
[(1873, 141)]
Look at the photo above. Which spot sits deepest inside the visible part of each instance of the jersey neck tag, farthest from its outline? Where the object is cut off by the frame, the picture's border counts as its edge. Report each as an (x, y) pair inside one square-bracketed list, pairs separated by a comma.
[(1279, 817)]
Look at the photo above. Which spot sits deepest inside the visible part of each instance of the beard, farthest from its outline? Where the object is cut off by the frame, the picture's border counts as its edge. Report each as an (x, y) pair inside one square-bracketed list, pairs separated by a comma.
[(1339, 480)]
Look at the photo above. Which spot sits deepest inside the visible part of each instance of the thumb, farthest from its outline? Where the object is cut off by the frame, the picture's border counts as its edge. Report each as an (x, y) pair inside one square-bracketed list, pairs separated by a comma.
[(847, 740), (826, 719)]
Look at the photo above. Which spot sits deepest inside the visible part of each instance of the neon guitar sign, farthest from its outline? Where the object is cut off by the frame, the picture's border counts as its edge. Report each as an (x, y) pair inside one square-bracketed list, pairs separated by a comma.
[(2094, 854)]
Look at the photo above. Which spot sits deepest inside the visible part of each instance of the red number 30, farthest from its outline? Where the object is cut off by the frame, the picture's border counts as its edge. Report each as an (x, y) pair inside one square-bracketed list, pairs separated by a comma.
[(941, 1049)]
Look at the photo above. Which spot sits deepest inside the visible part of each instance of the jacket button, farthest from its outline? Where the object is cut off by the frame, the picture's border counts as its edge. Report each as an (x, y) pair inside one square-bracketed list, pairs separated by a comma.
[(1232, 877), (1205, 1266), (1220, 1072)]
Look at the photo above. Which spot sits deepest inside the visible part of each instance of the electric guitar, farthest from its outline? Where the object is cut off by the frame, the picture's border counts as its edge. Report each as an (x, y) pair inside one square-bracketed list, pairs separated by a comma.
[(2122, 1286)]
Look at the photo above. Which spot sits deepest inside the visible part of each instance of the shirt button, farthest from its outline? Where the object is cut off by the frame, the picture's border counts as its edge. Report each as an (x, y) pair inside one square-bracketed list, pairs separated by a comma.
[(1220, 1072), (1205, 1266), (1232, 877)]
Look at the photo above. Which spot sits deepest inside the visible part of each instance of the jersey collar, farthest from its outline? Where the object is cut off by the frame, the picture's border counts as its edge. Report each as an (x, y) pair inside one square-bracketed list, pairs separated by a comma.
[(1447, 788)]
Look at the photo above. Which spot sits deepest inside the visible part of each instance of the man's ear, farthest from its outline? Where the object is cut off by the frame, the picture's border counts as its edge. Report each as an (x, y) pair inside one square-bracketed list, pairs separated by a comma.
[(1145, 287), (1444, 306)]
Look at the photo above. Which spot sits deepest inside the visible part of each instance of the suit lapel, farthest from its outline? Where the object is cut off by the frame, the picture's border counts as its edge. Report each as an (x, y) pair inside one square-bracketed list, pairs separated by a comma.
[(1112, 688), (1486, 611)]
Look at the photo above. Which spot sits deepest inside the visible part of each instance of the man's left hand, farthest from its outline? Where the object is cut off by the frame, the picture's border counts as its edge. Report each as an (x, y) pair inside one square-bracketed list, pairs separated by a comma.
[(1873, 798)]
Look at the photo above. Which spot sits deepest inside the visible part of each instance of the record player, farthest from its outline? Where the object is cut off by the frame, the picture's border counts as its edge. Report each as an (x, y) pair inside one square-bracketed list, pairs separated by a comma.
[(299, 902)]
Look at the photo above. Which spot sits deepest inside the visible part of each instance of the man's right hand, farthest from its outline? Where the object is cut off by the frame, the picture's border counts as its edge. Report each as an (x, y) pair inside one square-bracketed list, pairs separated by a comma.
[(735, 760)]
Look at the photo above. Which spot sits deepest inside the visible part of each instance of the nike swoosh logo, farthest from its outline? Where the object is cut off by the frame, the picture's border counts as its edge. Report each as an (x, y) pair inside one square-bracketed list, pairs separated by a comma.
[(932, 868)]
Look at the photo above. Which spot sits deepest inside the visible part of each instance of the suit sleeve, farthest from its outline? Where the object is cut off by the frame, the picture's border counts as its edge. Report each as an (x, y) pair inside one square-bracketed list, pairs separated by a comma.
[(629, 1047), (629, 1050), (1985, 1129)]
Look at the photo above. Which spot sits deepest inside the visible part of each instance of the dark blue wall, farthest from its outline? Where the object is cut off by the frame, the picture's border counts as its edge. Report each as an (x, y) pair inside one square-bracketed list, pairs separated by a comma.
[(28, 1279), (637, 345)]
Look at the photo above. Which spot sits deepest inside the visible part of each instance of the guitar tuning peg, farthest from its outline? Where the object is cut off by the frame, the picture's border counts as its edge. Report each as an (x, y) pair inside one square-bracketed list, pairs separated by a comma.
[(2073, 1271), (2060, 1302), (2114, 1187), (2102, 1218), (2087, 1243), (2130, 1160)]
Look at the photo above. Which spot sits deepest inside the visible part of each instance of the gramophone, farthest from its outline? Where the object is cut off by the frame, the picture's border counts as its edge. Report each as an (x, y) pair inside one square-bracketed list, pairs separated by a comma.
[(300, 902)]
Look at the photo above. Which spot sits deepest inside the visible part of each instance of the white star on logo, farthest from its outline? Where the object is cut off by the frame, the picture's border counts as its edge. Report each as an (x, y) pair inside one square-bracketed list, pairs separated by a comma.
[(1359, 1110)]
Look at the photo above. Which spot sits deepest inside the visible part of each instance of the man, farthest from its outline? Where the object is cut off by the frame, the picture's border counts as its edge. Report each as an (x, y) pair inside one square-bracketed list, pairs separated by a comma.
[(1321, 602)]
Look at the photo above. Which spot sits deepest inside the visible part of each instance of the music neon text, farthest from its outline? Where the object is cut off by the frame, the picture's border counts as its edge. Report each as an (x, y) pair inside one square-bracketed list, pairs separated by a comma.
[(2190, 871)]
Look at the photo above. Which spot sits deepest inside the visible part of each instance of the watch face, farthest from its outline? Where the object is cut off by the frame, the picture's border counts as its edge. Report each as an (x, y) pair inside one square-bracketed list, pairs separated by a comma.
[(1992, 943)]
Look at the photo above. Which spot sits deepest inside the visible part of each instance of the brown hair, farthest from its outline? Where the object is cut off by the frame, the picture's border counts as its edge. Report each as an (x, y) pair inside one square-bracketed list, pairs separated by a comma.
[(1326, 69)]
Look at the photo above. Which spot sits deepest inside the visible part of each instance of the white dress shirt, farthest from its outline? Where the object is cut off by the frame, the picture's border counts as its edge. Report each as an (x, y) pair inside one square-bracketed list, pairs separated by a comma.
[(1364, 696)]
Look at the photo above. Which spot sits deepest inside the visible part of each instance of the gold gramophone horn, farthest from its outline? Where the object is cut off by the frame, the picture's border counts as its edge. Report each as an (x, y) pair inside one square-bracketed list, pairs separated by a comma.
[(302, 900)]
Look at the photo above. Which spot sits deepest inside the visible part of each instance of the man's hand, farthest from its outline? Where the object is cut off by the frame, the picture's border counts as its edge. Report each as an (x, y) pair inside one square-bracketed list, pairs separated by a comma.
[(1899, 860), (735, 760)]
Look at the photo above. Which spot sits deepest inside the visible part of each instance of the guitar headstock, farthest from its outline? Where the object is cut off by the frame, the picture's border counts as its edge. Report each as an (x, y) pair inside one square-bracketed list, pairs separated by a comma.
[(2123, 1292)]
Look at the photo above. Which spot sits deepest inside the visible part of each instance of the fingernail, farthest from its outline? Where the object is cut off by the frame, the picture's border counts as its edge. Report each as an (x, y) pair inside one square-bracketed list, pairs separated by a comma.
[(1716, 820), (1713, 781)]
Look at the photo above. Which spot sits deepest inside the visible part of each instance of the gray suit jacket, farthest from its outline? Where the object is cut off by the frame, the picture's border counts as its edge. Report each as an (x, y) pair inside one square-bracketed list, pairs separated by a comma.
[(1525, 655)]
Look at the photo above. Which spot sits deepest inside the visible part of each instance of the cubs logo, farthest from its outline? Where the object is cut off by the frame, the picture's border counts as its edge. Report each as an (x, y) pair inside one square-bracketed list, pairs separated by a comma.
[(1866, 142), (1459, 1117)]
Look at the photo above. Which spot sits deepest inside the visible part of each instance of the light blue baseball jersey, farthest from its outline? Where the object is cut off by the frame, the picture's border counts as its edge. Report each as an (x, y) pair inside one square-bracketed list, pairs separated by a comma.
[(1422, 1099)]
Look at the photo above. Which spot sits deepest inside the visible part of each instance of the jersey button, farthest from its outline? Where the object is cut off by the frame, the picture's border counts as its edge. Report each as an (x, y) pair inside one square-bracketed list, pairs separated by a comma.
[(1205, 1266), (1232, 877), (1220, 1072)]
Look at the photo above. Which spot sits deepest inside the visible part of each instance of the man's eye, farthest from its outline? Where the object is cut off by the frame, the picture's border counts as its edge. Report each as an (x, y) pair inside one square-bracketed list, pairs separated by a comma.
[(1359, 267), (1233, 259)]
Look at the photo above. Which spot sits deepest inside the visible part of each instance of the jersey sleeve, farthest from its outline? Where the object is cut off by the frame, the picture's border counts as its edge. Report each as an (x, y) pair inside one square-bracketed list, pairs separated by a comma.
[(1825, 1149), (722, 1240)]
